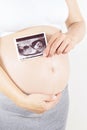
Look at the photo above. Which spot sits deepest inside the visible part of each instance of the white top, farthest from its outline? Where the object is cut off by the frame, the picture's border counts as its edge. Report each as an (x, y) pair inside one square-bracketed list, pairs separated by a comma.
[(19, 14)]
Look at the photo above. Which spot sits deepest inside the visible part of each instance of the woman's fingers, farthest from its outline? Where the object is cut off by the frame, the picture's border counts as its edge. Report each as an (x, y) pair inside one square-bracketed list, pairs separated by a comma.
[(54, 37), (54, 43), (68, 48), (51, 41), (39, 103), (54, 46), (62, 47), (49, 105), (59, 43), (47, 98)]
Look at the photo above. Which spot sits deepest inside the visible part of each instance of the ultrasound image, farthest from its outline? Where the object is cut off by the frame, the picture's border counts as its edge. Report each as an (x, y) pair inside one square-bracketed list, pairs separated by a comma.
[(31, 46)]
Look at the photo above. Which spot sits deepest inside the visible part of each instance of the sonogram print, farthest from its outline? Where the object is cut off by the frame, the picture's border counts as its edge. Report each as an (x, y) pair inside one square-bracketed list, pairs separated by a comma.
[(31, 46)]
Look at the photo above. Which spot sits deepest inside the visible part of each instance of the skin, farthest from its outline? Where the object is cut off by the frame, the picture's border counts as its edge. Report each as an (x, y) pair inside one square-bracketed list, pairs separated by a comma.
[(58, 43), (65, 42)]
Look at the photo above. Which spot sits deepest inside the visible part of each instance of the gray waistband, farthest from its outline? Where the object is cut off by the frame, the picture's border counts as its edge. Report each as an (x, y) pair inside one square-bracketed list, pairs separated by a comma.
[(7, 105)]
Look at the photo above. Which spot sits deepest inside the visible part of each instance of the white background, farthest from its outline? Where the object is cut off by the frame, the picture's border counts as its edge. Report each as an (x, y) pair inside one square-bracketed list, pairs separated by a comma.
[(77, 118)]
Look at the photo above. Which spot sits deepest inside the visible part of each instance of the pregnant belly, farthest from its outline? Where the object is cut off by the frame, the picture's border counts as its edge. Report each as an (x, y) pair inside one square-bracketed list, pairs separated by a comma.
[(47, 75)]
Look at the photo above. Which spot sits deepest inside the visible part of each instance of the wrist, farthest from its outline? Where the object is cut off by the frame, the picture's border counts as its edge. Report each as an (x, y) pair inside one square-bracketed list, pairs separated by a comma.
[(22, 99)]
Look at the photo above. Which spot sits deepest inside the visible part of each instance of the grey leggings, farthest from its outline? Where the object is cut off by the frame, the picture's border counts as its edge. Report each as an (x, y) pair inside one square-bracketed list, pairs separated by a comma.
[(13, 117)]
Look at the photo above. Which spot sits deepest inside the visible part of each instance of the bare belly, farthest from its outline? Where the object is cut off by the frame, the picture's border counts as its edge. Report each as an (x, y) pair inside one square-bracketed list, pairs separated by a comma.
[(47, 75)]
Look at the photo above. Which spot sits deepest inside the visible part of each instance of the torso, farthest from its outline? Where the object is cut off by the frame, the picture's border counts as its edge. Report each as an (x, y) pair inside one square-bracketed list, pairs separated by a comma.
[(38, 74)]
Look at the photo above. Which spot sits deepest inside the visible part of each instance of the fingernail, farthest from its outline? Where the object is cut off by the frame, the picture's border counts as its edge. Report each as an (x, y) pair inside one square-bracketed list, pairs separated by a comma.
[(54, 97), (44, 54)]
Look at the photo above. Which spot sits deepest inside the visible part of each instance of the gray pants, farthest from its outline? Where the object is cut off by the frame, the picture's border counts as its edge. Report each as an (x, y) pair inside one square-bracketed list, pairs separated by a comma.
[(13, 117)]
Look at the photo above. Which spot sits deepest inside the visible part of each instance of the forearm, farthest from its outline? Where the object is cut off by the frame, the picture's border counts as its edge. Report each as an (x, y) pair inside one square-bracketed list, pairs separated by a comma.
[(8, 88), (77, 30)]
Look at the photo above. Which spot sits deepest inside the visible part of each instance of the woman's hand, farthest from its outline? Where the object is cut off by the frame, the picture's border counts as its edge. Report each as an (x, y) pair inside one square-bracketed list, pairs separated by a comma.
[(60, 43), (39, 103)]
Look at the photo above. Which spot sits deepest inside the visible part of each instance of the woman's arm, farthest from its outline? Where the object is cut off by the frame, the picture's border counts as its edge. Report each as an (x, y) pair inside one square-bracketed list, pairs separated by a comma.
[(75, 22), (38, 103), (8, 88), (64, 42)]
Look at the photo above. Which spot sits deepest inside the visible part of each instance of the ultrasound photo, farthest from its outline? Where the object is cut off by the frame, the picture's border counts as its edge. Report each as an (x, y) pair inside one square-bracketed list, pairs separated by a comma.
[(31, 46)]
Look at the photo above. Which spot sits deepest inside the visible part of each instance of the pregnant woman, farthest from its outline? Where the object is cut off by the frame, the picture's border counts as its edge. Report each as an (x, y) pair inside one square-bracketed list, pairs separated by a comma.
[(33, 91)]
